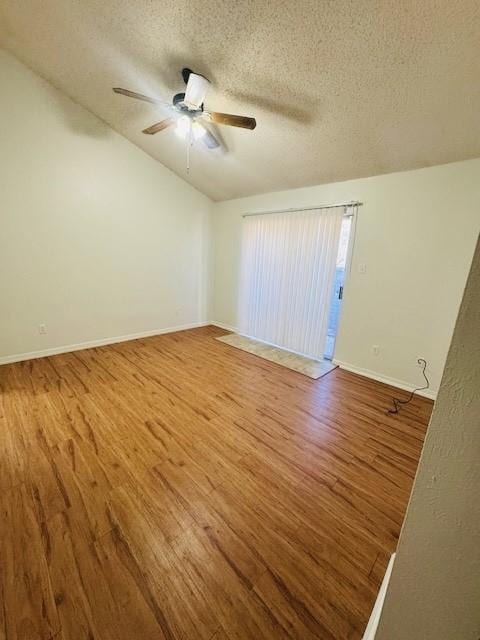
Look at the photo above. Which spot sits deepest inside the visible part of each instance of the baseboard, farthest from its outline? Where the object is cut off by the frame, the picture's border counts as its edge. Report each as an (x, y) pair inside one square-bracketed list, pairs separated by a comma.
[(222, 325), (371, 629), (19, 357), (400, 384)]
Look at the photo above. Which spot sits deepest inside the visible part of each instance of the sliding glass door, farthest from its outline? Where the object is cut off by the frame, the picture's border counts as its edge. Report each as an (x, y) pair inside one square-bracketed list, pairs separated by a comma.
[(287, 276)]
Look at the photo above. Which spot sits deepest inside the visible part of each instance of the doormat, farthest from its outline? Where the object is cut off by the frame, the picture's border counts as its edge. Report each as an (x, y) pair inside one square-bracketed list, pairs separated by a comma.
[(312, 368)]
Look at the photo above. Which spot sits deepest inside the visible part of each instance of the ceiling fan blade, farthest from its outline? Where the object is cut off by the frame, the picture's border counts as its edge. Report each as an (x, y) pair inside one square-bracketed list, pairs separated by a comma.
[(206, 136), (159, 126), (139, 96), (197, 87), (210, 140), (231, 120), (200, 132)]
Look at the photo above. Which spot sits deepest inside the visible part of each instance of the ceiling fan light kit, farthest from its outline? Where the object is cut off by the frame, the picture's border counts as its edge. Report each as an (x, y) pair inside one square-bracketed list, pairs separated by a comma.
[(182, 127), (198, 130), (188, 114)]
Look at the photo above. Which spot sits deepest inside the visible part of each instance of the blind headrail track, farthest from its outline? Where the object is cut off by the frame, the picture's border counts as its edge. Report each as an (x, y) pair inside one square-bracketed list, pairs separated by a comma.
[(353, 203)]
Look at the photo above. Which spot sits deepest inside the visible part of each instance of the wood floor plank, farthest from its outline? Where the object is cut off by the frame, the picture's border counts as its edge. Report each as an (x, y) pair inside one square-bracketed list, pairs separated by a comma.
[(161, 579), (176, 488), (96, 596), (226, 584), (29, 609)]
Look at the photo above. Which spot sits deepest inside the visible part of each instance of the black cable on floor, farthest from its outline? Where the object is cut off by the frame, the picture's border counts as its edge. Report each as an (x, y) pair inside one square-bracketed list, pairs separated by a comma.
[(397, 403)]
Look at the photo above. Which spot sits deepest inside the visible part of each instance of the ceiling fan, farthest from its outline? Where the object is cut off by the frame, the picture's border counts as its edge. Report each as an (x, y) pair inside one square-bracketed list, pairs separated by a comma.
[(188, 112)]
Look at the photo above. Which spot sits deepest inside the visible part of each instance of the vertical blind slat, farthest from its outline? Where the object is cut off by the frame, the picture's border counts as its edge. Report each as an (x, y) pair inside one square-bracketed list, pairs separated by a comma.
[(287, 272)]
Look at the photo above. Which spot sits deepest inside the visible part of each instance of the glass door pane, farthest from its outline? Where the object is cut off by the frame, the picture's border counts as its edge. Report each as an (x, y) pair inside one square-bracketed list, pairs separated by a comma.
[(337, 293)]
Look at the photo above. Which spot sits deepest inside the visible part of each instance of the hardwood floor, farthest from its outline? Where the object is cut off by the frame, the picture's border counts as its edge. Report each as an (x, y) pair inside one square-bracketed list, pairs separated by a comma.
[(178, 488)]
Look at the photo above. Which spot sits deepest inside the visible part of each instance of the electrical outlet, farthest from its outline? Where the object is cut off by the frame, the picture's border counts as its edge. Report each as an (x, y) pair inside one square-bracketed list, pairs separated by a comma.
[(362, 267), (42, 329), (375, 349)]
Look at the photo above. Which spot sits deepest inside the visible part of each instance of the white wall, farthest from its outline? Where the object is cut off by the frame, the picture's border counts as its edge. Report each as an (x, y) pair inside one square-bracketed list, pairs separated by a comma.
[(416, 233), (97, 240), (434, 590)]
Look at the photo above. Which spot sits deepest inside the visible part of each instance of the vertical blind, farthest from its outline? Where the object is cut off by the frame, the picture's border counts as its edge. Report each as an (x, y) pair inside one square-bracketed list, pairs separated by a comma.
[(287, 274)]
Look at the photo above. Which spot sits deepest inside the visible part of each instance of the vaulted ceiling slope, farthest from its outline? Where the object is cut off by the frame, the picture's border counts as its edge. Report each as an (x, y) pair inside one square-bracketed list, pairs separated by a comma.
[(340, 88)]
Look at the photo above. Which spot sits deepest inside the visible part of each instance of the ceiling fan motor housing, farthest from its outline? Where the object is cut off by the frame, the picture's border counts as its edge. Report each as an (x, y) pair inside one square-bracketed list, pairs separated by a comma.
[(179, 104)]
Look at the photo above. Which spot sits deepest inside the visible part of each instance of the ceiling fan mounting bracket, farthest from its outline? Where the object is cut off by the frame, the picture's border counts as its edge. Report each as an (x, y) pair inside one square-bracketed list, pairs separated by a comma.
[(186, 74)]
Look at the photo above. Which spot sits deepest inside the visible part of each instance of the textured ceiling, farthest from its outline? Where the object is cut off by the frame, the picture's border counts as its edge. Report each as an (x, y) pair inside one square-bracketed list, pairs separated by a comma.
[(340, 89)]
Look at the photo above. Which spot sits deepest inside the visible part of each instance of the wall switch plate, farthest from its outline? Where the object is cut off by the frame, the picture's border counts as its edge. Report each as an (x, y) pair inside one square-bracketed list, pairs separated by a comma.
[(362, 267), (42, 329), (375, 349)]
